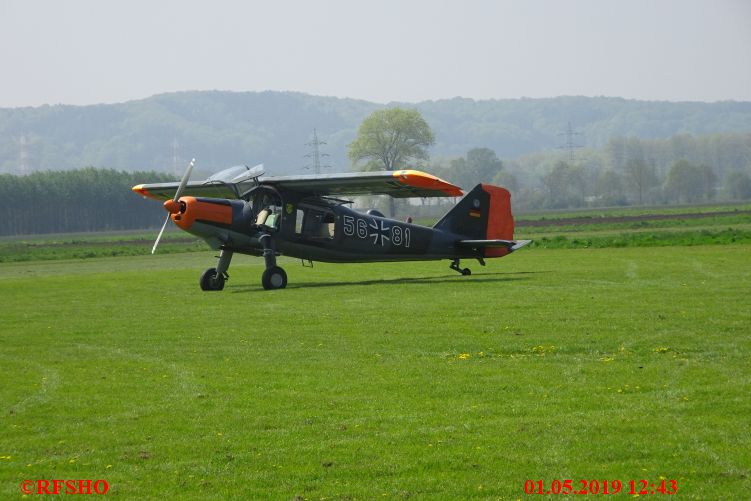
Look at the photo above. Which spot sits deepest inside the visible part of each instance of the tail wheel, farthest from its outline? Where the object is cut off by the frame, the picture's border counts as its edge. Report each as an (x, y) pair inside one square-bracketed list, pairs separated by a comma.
[(211, 280), (274, 278)]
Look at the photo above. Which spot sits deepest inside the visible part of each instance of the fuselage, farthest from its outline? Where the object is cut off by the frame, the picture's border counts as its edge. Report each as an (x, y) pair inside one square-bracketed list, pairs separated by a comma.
[(312, 228)]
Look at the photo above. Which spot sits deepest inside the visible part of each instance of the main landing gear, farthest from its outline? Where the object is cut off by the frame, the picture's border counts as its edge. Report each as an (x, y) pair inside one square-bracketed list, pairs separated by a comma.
[(274, 277)]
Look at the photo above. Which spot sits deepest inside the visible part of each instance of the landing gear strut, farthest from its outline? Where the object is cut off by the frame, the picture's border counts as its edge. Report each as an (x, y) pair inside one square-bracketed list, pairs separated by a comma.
[(213, 279), (455, 266), (274, 277)]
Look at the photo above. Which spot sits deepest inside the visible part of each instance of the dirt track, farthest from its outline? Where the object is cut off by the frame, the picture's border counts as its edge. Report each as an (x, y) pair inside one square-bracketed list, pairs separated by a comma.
[(625, 219)]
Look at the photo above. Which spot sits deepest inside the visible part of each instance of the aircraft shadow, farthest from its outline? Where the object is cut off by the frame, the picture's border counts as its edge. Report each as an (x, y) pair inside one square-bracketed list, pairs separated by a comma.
[(484, 278)]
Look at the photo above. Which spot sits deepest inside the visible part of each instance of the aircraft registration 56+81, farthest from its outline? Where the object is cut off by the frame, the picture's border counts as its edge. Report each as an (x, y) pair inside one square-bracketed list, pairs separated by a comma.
[(306, 217)]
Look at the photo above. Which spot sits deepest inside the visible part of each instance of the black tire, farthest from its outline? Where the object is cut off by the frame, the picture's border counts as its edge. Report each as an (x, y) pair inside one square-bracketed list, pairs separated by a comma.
[(211, 280), (274, 278), (466, 272)]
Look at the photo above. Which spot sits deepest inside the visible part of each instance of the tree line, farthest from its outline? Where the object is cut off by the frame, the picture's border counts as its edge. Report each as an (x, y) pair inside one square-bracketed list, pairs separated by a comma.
[(627, 171), (226, 128), (682, 169), (76, 201)]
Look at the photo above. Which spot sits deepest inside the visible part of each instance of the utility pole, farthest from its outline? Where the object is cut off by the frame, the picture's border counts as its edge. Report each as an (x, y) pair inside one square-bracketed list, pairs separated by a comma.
[(569, 144), (316, 154)]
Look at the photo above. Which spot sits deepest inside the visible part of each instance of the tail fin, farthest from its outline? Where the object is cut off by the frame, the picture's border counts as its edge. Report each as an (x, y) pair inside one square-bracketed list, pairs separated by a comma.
[(483, 214)]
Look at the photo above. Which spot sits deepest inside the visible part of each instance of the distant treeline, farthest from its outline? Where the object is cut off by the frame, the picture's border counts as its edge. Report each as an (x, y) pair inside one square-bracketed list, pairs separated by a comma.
[(682, 169), (76, 201), (221, 129)]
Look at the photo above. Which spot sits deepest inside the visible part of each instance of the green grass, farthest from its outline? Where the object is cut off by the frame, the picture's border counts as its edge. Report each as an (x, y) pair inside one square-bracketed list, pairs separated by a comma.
[(91, 245), (382, 381)]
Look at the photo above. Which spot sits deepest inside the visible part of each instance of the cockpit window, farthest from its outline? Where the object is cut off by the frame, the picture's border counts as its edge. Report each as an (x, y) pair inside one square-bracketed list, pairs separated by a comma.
[(226, 175), (236, 174), (267, 208)]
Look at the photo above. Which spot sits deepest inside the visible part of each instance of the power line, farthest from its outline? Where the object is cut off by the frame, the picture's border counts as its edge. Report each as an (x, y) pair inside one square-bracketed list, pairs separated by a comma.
[(316, 154), (569, 144)]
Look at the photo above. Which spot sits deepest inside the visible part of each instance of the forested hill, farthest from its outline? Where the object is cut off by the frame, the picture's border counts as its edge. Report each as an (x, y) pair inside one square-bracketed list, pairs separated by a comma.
[(227, 128)]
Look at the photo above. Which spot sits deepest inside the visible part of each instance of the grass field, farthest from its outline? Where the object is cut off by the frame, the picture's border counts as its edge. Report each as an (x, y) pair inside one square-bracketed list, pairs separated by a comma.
[(384, 381)]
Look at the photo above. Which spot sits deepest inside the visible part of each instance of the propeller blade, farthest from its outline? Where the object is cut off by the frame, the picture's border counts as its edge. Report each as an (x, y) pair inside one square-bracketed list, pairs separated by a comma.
[(178, 194), (159, 237), (184, 180)]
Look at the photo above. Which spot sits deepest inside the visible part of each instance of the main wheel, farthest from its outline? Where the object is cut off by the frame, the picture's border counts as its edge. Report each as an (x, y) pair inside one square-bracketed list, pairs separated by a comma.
[(466, 271), (274, 278), (211, 280)]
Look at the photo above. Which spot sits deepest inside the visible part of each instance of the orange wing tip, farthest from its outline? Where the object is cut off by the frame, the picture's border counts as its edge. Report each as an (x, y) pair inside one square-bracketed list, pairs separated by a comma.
[(144, 192), (423, 180)]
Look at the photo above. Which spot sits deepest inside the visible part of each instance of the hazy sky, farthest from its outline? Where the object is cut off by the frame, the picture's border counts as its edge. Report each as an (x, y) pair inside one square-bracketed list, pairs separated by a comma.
[(92, 51)]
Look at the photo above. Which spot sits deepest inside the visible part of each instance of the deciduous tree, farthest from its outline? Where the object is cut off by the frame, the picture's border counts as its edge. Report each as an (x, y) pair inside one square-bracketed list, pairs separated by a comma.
[(389, 139)]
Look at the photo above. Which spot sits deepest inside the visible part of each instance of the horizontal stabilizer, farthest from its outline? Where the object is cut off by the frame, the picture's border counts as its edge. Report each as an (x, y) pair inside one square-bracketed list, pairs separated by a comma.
[(511, 245)]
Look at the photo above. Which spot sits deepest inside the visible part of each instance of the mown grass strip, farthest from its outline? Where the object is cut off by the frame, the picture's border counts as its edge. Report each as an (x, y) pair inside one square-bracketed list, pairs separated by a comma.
[(41, 251)]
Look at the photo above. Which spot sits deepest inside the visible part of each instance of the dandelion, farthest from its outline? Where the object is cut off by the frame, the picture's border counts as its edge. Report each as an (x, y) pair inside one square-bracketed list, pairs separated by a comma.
[(542, 349), (661, 349), (464, 356)]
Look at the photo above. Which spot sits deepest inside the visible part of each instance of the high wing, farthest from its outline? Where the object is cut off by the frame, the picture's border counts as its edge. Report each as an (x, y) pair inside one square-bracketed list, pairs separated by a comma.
[(165, 191), (397, 184)]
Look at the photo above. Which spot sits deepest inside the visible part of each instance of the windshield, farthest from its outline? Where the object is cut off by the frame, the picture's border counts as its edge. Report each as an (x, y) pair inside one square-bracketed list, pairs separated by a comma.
[(228, 175), (237, 174)]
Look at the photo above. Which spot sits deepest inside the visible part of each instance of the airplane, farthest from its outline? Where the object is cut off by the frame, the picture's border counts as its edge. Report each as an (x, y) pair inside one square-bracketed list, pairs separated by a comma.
[(238, 210)]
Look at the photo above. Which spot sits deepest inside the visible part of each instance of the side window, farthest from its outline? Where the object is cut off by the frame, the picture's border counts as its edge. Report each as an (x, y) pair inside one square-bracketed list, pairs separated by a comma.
[(329, 224), (315, 223), (298, 221)]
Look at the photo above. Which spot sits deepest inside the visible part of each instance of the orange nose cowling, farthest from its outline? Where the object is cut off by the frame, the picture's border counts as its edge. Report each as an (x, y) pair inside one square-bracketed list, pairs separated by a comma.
[(199, 210)]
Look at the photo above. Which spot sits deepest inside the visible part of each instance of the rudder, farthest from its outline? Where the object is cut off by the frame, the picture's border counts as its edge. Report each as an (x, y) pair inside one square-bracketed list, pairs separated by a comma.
[(483, 214)]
